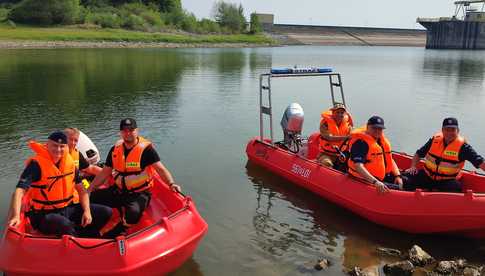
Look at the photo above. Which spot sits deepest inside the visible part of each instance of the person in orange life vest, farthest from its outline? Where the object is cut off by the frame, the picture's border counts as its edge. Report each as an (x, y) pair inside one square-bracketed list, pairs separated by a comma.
[(371, 158), (131, 161), (79, 160), (444, 156), (335, 127), (51, 178)]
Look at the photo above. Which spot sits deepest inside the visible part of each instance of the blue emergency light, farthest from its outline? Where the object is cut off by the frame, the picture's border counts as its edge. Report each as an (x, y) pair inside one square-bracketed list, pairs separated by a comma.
[(295, 70)]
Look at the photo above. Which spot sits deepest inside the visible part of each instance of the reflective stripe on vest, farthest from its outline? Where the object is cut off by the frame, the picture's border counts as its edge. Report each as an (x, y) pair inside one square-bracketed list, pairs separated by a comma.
[(128, 174), (56, 187), (333, 129), (379, 158), (441, 162)]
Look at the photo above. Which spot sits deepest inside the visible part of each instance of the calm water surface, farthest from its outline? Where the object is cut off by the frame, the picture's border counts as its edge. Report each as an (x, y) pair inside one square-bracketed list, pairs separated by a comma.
[(199, 107)]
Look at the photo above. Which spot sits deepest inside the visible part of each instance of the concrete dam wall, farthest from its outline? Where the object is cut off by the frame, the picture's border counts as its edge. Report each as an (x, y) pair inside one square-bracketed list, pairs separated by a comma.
[(336, 35), (455, 34)]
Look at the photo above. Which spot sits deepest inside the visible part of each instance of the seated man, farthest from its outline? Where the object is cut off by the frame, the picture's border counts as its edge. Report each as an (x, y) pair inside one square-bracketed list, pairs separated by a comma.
[(444, 155), (132, 161), (370, 156), (335, 127), (79, 160), (52, 179)]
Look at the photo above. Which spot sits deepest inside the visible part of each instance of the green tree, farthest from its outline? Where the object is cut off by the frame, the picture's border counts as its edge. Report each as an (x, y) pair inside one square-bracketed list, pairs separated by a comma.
[(230, 16), (46, 12), (169, 6), (256, 26)]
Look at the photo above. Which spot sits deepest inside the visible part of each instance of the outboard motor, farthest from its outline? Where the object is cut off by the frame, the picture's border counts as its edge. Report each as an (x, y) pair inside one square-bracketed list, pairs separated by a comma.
[(292, 124)]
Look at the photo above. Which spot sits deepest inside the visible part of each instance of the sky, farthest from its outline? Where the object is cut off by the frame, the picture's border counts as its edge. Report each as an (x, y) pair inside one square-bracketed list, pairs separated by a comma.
[(362, 13)]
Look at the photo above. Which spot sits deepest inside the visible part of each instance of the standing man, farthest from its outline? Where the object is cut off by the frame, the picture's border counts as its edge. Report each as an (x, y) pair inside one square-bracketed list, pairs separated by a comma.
[(52, 179), (335, 127), (444, 157), (371, 156), (132, 161)]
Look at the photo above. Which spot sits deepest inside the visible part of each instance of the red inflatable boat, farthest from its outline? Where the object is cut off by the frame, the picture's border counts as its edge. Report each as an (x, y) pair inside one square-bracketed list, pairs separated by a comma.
[(164, 239), (413, 212)]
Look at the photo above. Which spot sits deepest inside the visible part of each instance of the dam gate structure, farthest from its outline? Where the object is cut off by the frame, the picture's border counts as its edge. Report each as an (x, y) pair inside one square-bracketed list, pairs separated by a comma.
[(464, 30)]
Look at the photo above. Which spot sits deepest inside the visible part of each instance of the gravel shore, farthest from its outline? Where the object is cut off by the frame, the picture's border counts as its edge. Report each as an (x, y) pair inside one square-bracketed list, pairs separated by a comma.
[(102, 44)]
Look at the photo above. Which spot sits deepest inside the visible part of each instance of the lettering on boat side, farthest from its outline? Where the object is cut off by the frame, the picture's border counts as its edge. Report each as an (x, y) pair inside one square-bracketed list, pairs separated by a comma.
[(299, 170), (122, 247)]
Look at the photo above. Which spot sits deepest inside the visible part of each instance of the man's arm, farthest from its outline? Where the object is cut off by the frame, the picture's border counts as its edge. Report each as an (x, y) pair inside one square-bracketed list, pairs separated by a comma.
[(93, 170), (165, 175), (325, 134), (100, 178), (16, 205), (84, 201), (359, 167)]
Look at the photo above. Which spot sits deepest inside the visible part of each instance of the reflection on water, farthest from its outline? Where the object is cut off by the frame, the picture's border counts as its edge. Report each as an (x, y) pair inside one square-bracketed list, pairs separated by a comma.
[(467, 66), (199, 107), (327, 230)]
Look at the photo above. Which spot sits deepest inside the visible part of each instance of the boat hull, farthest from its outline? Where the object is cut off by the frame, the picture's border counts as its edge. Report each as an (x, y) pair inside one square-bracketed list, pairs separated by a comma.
[(412, 212), (165, 238)]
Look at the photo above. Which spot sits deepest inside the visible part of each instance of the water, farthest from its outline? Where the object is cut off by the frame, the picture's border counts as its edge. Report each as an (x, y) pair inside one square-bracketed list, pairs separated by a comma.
[(199, 107)]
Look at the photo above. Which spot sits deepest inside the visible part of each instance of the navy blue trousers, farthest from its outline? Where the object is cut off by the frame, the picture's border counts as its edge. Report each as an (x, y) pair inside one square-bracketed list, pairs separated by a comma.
[(67, 221)]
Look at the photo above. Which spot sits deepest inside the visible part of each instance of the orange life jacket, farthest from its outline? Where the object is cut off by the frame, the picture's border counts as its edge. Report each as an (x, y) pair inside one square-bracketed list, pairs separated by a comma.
[(441, 162), (75, 157), (128, 174), (328, 147), (56, 187), (378, 160)]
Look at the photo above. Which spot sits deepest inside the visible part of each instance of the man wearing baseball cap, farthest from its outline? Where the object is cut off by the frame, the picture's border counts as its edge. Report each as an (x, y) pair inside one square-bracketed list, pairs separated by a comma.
[(52, 180), (444, 157), (132, 161), (371, 156), (335, 127)]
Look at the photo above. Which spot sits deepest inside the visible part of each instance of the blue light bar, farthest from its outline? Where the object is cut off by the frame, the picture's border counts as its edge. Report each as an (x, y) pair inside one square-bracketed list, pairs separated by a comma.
[(313, 70)]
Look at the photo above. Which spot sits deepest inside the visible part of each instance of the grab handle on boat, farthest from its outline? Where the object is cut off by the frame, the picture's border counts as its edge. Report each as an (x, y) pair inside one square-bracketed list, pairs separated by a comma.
[(469, 194), (418, 193), (167, 224)]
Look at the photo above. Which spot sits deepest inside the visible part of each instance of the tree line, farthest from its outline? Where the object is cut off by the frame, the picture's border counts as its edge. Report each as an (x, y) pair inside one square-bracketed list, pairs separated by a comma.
[(140, 15)]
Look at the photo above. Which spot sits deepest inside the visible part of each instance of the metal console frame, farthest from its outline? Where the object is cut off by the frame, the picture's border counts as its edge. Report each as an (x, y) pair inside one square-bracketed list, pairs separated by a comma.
[(335, 83)]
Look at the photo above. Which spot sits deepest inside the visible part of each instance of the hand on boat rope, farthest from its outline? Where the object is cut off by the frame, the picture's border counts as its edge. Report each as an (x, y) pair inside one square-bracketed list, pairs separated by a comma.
[(381, 187), (14, 221), (174, 187)]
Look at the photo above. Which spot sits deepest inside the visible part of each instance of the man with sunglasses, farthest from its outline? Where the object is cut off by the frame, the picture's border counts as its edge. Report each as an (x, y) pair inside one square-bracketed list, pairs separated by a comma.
[(371, 156), (132, 162), (444, 157), (335, 127)]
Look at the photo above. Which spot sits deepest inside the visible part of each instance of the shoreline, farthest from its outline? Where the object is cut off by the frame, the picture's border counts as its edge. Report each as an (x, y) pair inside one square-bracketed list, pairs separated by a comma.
[(33, 44)]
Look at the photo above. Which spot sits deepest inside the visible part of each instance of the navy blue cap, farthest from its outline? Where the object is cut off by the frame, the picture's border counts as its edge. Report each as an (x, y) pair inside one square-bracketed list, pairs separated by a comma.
[(450, 122), (58, 137), (376, 121), (128, 123)]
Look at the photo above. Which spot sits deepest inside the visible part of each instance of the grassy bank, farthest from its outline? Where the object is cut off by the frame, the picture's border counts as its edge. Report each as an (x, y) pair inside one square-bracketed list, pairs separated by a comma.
[(27, 33)]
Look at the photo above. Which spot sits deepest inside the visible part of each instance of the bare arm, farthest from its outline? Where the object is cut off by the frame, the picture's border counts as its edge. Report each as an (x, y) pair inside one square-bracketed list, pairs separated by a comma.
[(84, 201), (15, 207), (93, 170), (329, 137), (359, 167), (414, 164), (100, 177), (165, 175)]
